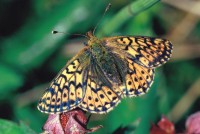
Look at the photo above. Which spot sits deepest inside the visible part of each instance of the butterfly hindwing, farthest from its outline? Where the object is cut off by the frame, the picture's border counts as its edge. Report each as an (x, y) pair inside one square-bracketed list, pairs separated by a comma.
[(142, 55), (138, 79), (100, 95), (146, 51), (68, 88)]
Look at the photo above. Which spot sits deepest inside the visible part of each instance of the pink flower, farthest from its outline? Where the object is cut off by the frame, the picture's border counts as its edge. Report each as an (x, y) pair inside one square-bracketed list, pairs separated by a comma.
[(72, 122), (193, 124)]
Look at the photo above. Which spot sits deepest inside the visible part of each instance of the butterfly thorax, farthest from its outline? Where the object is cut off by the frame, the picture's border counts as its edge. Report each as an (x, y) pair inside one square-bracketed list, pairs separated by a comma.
[(104, 59), (96, 46)]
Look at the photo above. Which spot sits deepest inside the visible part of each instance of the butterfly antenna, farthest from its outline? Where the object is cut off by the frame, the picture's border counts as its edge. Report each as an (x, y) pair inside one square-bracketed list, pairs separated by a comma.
[(58, 32), (107, 8)]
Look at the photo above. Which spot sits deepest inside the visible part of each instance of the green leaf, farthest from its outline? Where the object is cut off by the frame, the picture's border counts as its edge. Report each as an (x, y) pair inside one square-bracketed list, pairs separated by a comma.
[(31, 116), (26, 129), (8, 127)]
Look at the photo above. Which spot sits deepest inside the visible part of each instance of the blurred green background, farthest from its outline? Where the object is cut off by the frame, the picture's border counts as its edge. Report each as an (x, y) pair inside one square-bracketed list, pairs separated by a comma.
[(30, 57)]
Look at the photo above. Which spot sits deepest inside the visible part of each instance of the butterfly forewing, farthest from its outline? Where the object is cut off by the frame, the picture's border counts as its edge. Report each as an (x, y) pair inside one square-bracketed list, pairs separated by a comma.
[(68, 88), (146, 51)]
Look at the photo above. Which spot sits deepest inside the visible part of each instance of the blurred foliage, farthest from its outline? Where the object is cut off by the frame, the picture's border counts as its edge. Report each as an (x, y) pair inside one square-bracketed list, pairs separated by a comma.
[(8, 127), (31, 56)]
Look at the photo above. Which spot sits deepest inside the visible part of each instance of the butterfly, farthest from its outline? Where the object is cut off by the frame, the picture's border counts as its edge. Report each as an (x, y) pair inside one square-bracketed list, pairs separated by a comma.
[(105, 71)]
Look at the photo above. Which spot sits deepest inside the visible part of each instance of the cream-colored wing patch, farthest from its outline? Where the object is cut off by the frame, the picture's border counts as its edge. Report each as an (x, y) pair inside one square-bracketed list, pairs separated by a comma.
[(99, 96), (146, 51), (138, 79), (68, 88)]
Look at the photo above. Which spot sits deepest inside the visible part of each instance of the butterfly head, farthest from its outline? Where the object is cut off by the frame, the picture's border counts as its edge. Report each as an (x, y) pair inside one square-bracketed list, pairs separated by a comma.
[(89, 34), (92, 39)]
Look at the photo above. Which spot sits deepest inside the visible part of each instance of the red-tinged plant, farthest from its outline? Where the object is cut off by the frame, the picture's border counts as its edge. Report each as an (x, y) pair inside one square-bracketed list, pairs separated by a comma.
[(72, 122), (164, 126)]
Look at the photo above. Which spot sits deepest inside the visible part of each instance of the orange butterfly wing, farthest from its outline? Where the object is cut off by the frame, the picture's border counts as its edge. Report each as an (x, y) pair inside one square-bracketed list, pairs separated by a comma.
[(146, 51), (81, 83), (101, 94), (142, 54), (67, 90)]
